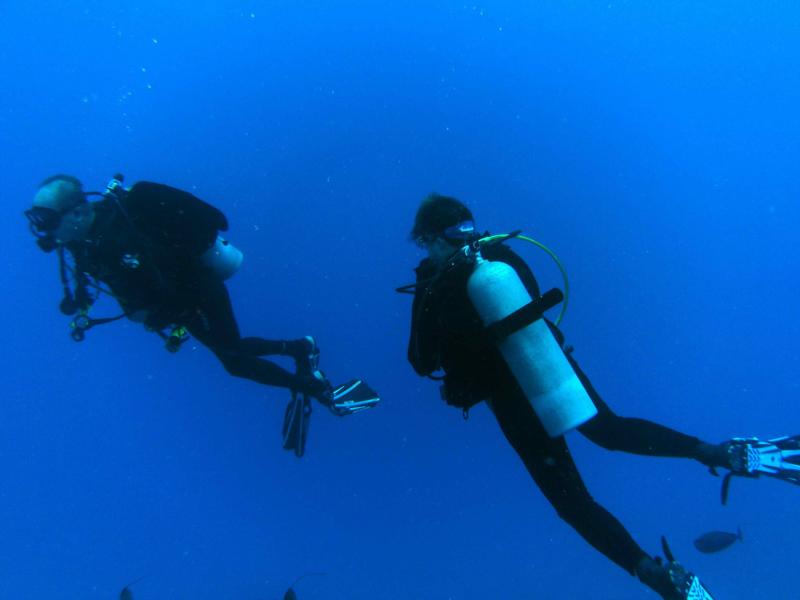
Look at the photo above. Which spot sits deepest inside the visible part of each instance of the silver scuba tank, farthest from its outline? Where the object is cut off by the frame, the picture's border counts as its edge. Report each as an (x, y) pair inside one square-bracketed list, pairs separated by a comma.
[(223, 259), (532, 353)]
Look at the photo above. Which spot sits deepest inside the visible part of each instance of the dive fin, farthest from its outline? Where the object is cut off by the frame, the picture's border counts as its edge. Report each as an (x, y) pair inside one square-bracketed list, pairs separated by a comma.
[(686, 585), (666, 549), (352, 397), (750, 457), (295, 424)]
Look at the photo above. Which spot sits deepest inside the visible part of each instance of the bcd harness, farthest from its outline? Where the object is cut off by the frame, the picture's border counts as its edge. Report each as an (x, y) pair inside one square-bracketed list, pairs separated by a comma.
[(469, 254), (80, 301)]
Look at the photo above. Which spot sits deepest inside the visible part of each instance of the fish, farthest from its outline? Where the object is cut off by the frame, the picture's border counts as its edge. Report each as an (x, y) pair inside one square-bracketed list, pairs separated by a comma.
[(290, 593), (126, 593), (715, 541)]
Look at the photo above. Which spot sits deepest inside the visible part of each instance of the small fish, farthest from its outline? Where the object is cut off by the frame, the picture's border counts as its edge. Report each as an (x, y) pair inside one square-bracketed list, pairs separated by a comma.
[(126, 593), (714, 541), (290, 593)]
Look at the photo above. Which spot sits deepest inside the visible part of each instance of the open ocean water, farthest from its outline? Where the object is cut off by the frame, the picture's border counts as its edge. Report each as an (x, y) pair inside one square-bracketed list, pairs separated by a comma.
[(653, 145)]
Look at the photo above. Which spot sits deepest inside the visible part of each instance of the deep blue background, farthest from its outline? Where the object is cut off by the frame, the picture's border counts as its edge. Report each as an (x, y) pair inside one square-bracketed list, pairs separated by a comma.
[(653, 145)]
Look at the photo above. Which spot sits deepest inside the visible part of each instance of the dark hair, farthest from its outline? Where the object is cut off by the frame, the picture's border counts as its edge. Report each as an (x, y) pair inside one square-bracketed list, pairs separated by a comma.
[(437, 213)]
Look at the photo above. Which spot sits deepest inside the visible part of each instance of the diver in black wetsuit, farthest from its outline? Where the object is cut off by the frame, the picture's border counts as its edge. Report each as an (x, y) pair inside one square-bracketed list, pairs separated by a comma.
[(447, 334), (157, 251)]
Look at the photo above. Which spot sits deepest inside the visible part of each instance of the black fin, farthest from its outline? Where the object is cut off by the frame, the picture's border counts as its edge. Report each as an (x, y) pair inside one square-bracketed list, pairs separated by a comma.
[(665, 549), (296, 420), (353, 396), (726, 486)]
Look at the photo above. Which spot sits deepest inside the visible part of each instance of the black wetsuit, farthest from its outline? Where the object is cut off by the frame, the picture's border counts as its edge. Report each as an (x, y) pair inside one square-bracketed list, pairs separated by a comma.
[(146, 249), (446, 333)]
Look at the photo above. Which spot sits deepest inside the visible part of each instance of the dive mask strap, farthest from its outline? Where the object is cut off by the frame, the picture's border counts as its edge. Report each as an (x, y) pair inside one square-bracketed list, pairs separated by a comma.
[(460, 231)]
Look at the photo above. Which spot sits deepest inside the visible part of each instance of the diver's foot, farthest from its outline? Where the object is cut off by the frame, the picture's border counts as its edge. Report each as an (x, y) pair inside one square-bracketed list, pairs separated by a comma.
[(305, 353), (751, 457), (743, 457), (714, 456), (310, 380), (776, 457), (671, 580), (316, 385)]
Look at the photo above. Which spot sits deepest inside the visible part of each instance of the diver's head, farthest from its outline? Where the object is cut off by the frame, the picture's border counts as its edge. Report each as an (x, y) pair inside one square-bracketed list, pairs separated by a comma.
[(60, 213), (442, 226)]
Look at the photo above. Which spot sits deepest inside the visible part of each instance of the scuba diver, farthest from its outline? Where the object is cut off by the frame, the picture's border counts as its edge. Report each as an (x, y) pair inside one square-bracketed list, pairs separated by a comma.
[(158, 252), (478, 316)]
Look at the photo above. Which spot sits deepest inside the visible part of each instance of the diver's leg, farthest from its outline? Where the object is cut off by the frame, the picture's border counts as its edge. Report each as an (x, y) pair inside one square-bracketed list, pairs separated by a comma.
[(212, 323), (304, 351), (256, 346), (550, 464), (639, 436), (750, 457)]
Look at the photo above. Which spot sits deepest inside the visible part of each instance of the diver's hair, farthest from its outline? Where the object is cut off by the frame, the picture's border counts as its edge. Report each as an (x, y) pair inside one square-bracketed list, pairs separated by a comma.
[(72, 188), (436, 213)]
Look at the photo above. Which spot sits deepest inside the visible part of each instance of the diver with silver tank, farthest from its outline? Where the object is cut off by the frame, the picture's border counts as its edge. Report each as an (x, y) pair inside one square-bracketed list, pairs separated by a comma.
[(158, 251), (478, 317)]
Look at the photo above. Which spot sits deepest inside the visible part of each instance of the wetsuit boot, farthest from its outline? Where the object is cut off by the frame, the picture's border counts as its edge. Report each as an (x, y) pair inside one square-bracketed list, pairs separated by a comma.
[(310, 380), (671, 580)]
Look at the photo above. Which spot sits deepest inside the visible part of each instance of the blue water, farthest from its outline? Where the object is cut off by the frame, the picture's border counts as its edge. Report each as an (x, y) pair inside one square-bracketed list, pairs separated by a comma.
[(653, 145)]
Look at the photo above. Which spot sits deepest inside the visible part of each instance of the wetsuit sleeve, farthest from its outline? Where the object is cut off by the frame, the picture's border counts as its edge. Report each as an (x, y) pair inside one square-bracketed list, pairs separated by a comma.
[(423, 344), (82, 296), (83, 299)]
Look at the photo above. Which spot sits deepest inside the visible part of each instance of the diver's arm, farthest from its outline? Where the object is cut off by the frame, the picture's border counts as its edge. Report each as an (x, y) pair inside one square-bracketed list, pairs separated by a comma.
[(423, 345), (82, 296), (79, 298)]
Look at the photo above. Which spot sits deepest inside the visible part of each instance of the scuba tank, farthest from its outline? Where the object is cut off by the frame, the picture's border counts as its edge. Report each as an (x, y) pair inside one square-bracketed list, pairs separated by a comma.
[(223, 259), (528, 346)]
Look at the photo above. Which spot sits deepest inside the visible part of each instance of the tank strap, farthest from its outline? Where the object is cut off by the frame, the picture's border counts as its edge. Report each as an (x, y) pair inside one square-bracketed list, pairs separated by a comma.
[(522, 317)]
